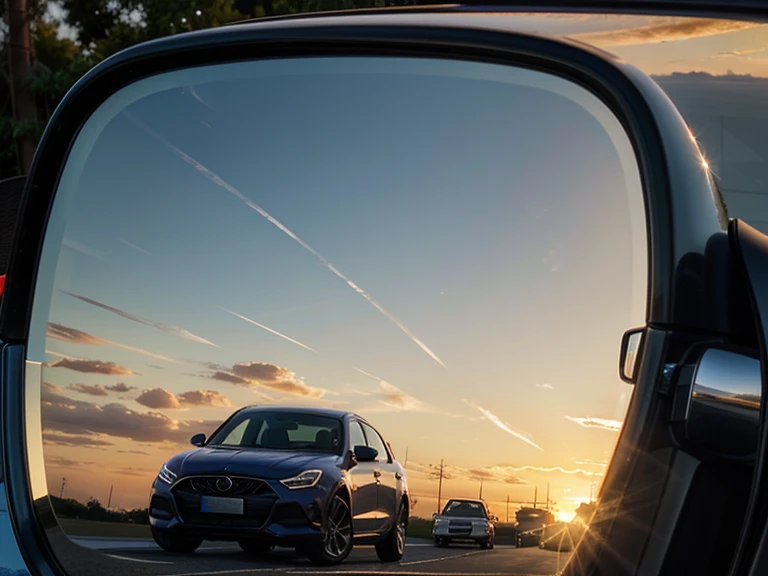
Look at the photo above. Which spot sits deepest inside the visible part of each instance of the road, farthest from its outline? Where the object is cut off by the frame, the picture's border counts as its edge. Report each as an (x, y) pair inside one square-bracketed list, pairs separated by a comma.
[(221, 558)]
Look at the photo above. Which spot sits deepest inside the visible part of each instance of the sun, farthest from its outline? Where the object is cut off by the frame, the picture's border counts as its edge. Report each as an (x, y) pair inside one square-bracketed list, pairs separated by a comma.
[(565, 516)]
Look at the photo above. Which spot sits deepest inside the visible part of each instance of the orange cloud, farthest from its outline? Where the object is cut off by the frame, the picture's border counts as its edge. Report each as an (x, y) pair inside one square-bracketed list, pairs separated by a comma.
[(92, 389), (603, 423), (92, 367), (664, 30), (160, 398), (74, 336)]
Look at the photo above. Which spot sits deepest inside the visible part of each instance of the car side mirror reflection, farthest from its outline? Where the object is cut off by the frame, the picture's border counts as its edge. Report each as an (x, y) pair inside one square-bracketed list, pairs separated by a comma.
[(197, 440), (365, 454), (716, 407)]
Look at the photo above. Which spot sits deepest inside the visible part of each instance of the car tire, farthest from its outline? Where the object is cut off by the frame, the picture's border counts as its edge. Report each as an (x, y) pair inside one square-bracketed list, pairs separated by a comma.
[(392, 547), (255, 547), (336, 543), (174, 542)]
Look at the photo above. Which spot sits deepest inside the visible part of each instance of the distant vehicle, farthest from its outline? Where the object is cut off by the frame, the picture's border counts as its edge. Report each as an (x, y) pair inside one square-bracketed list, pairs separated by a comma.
[(465, 520), (560, 536), (314, 479), (528, 525)]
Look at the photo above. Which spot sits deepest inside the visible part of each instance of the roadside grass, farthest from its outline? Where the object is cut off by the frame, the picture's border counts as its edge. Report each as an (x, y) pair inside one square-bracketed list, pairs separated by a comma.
[(75, 527)]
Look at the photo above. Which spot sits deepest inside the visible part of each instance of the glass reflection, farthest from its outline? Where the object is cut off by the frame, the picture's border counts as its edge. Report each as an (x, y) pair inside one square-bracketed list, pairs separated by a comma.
[(450, 249)]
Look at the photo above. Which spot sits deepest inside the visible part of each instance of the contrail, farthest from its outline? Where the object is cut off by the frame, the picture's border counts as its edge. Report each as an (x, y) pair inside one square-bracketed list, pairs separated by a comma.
[(603, 423), (268, 329), (186, 334), (279, 225), (497, 421), (366, 373)]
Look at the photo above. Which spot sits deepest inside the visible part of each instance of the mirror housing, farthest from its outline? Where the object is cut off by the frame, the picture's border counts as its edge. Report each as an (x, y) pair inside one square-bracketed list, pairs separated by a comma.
[(631, 342), (716, 407), (365, 454), (197, 440)]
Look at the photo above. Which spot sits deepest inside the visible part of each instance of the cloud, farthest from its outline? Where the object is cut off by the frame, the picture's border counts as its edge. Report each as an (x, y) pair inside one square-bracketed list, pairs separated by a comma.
[(268, 329), (156, 367), (74, 440), (139, 452), (498, 422), (129, 471), (557, 469), (275, 378), (160, 398), (92, 367), (210, 175), (83, 248), (120, 387), (603, 423), (59, 462), (92, 389), (204, 398), (545, 386), (186, 334), (745, 52), (664, 30), (227, 377), (394, 396), (64, 415), (74, 336), (501, 474)]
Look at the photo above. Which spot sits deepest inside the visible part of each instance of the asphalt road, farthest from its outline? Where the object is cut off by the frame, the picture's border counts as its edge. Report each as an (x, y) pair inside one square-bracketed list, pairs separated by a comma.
[(421, 557)]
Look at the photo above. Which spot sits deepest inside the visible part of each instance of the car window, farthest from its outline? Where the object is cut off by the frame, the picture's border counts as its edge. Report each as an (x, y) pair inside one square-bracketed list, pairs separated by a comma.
[(374, 441), (235, 437), (458, 271), (466, 509), (356, 436)]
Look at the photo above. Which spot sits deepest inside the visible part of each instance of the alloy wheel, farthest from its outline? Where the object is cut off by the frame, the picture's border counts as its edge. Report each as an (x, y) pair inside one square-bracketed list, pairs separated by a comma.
[(339, 532)]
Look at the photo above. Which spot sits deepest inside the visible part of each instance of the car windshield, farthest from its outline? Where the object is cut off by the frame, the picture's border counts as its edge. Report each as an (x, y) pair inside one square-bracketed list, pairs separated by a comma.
[(464, 509), (280, 431)]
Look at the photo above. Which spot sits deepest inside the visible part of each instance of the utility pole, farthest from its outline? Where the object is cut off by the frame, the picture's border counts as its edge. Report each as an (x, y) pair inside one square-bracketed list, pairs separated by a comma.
[(405, 464), (481, 488), (109, 502), (20, 68), (535, 496), (63, 483), (507, 508), (547, 496), (440, 487)]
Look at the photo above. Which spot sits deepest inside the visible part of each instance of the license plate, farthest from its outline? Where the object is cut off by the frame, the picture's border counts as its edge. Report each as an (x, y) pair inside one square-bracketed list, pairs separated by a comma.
[(215, 505)]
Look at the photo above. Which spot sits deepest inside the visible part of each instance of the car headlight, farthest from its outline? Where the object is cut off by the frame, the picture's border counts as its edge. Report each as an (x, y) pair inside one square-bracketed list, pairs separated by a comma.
[(166, 475), (306, 479), (440, 521)]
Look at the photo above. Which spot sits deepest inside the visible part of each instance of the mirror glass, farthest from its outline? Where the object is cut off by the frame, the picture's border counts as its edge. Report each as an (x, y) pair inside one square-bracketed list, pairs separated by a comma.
[(724, 408), (450, 249)]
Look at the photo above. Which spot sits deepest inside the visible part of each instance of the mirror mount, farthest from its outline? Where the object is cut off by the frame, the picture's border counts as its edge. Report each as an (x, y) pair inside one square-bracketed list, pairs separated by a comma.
[(197, 440), (717, 400)]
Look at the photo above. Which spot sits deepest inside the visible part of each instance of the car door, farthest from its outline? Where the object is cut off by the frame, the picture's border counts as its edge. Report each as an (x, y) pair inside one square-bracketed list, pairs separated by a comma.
[(364, 485), (386, 473)]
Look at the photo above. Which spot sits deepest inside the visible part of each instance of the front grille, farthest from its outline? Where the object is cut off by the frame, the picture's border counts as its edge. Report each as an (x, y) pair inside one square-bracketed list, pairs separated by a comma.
[(258, 500), (241, 486), (460, 527)]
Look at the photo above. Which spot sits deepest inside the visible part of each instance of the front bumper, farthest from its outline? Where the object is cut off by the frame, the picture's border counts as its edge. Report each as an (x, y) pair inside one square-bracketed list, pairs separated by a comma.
[(276, 514), (473, 533)]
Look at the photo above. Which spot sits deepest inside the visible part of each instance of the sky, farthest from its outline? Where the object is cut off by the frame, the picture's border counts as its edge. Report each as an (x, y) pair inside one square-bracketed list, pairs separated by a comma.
[(452, 255)]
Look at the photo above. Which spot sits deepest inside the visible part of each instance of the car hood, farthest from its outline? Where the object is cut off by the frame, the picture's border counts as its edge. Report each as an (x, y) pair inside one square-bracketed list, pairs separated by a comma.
[(274, 464), (464, 518)]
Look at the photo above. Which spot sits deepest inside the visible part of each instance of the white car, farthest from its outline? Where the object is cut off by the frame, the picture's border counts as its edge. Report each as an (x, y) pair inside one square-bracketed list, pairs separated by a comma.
[(465, 521)]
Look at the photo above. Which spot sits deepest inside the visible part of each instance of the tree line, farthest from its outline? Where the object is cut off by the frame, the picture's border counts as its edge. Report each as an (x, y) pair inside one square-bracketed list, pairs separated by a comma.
[(93, 510), (48, 45)]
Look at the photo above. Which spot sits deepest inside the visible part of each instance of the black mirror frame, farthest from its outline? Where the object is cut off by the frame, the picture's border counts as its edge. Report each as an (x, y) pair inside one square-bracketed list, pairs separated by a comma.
[(651, 122)]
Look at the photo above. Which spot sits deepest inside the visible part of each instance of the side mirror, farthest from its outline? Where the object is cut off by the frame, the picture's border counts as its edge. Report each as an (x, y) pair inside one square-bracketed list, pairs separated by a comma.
[(435, 516), (630, 349), (717, 401), (365, 454), (197, 440)]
